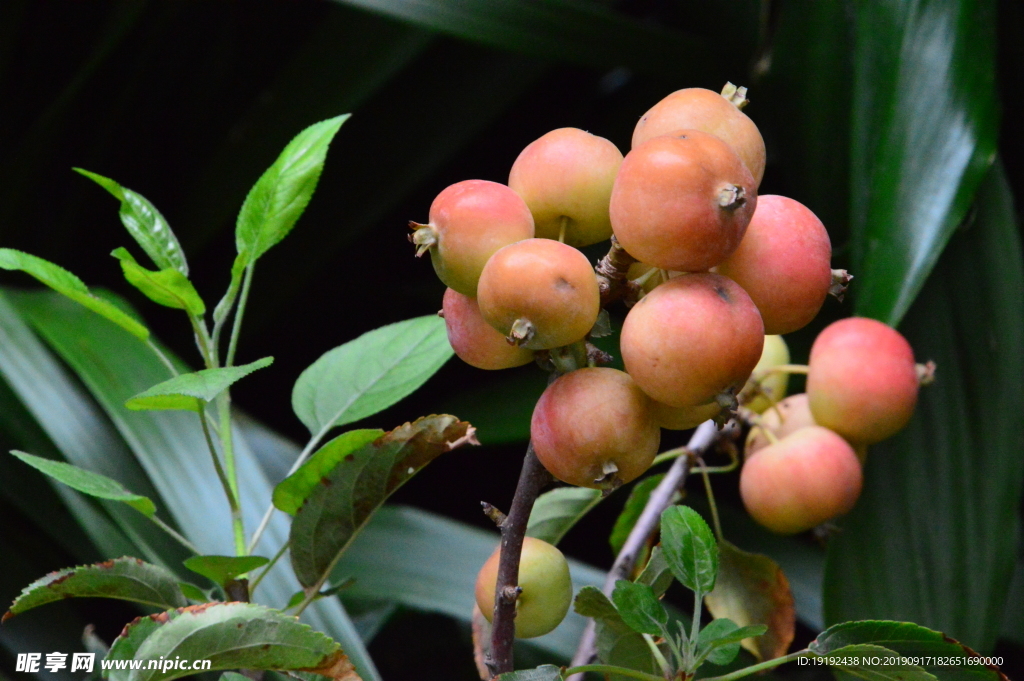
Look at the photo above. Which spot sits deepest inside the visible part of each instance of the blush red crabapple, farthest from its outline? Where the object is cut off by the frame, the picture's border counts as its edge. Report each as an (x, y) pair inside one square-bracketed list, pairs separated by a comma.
[(682, 201), (475, 341), (469, 221)]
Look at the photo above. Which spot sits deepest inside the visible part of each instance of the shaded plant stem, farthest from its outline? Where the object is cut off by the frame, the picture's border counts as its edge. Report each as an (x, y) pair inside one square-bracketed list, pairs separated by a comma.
[(755, 668), (661, 498), (611, 669), (532, 478), (268, 566), (175, 534)]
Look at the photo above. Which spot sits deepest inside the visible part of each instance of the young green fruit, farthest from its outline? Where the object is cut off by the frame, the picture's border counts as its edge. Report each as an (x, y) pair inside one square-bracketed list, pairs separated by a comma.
[(474, 340), (545, 583), (862, 381), (682, 201), (806, 478), (593, 428), (469, 222), (772, 388), (783, 262), (692, 339), (710, 112), (540, 294), (566, 179)]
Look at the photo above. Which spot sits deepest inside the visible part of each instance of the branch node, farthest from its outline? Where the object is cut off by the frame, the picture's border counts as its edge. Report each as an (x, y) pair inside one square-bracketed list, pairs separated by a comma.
[(493, 513)]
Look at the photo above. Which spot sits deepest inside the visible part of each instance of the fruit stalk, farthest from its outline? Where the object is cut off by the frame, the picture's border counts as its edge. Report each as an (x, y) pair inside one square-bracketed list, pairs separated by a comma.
[(532, 479), (611, 274), (661, 498)]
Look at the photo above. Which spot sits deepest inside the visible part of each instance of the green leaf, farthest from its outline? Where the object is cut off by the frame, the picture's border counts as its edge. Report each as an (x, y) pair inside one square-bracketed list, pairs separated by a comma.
[(372, 372), (720, 640), (233, 676), (751, 589), (67, 284), (193, 592), (126, 579), (639, 607), (189, 392), (128, 643), (231, 636), (657, 574), (335, 510), (292, 492), (690, 549), (910, 640), (146, 225), (924, 135), (862, 662), (635, 504), (222, 569), (617, 643), (557, 511), (545, 672), (959, 457), (279, 197), (87, 482), (167, 287)]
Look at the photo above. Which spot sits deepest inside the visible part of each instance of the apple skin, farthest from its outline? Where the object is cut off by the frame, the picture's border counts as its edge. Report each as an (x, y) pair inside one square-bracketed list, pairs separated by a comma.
[(471, 220), (806, 478), (475, 341), (568, 173), (683, 418), (784, 262), (682, 201), (544, 579), (710, 112), (862, 380), (549, 284), (590, 417), (788, 416), (773, 388), (692, 338)]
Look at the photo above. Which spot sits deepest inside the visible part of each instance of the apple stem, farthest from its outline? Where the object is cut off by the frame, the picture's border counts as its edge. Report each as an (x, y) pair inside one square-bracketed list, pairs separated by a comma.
[(532, 479), (611, 275)]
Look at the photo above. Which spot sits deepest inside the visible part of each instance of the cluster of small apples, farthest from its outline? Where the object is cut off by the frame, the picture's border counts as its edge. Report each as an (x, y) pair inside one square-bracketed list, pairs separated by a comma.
[(804, 458)]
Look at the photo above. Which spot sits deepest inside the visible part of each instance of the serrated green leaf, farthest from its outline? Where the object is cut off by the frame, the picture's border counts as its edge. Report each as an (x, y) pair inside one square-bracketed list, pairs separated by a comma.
[(193, 592), (146, 225), (910, 640), (291, 492), (719, 641), (924, 135), (616, 642), (231, 636), (87, 482), (690, 549), (221, 569), (233, 676), (128, 643), (167, 287), (591, 602), (335, 510), (126, 579), (189, 392), (557, 511), (635, 504), (639, 607), (279, 197), (959, 457), (545, 672), (657, 574), (372, 372), (67, 284), (752, 589)]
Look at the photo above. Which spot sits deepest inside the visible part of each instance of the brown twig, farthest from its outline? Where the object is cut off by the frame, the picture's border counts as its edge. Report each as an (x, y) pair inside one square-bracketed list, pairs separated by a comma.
[(661, 498), (532, 479)]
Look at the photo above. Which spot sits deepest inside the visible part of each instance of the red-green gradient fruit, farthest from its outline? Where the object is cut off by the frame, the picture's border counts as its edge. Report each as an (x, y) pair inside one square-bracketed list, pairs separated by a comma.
[(682, 201), (803, 480), (783, 262), (691, 339), (469, 222), (593, 428), (710, 112), (774, 386), (862, 381), (474, 340), (567, 176), (540, 293), (544, 579), (683, 418), (788, 416)]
